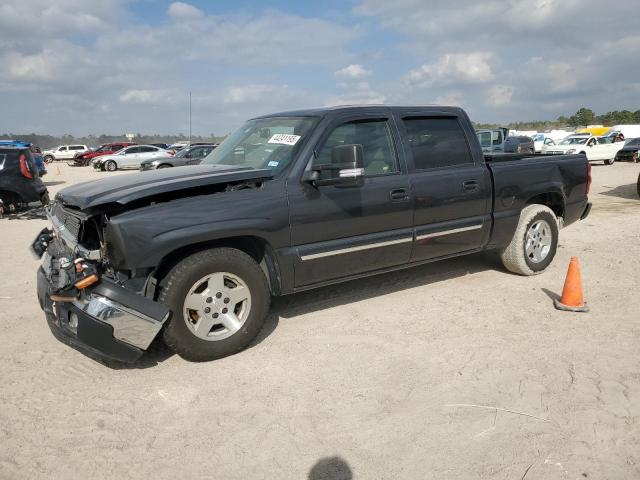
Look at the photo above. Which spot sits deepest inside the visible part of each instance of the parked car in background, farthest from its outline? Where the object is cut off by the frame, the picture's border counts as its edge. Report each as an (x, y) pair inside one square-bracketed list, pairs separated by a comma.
[(630, 151), (519, 144), (36, 153), (164, 146), (492, 141), (290, 202), (191, 155), (84, 159), (64, 152), (540, 140), (595, 148), (176, 147), (129, 157), (20, 181), (629, 131)]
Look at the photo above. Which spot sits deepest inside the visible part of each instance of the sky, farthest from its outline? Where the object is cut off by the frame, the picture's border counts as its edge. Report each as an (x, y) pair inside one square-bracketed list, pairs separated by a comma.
[(118, 66)]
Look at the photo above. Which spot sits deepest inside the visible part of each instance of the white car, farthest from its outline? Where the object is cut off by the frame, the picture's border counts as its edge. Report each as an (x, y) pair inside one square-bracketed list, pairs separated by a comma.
[(595, 148), (63, 152), (130, 157)]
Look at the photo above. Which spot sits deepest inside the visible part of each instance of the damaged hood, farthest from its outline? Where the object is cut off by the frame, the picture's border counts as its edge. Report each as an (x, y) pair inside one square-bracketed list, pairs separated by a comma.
[(125, 189)]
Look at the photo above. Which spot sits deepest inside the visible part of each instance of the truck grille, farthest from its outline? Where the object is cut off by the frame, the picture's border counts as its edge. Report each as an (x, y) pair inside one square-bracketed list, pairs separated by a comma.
[(66, 218)]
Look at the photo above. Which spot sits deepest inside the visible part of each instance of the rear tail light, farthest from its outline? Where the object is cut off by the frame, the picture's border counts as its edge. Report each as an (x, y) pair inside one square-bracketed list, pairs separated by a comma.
[(588, 177), (25, 169)]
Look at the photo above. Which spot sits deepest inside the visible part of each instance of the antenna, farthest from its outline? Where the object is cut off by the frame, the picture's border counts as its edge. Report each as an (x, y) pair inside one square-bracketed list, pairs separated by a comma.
[(189, 117)]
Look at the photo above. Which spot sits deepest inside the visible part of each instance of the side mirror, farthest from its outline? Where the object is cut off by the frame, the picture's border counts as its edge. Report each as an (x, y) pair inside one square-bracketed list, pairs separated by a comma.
[(346, 168)]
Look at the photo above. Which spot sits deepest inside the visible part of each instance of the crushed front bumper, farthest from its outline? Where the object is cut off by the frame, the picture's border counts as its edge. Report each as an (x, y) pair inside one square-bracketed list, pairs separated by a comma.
[(103, 320)]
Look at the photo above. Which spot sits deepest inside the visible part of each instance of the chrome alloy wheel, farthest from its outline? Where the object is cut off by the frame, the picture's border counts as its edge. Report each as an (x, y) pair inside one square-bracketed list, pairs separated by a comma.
[(217, 306), (538, 241)]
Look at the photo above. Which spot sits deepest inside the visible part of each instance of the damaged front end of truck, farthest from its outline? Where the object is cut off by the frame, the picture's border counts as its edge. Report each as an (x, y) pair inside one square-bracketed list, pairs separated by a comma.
[(91, 299), (85, 305)]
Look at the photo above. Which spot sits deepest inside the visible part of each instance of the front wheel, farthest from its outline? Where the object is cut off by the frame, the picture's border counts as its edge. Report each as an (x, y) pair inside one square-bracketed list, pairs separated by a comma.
[(164, 165), (111, 166), (48, 159), (534, 243), (219, 300), (609, 161)]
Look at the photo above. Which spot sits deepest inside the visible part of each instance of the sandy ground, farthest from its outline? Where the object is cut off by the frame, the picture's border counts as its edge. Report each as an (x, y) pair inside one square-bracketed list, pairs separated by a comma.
[(456, 370)]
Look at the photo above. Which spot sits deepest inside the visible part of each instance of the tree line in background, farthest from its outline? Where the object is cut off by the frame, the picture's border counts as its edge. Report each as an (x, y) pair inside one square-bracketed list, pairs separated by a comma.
[(50, 141), (583, 117)]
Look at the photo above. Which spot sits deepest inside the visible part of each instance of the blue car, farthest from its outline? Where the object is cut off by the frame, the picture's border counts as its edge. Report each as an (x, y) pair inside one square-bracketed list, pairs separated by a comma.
[(35, 153)]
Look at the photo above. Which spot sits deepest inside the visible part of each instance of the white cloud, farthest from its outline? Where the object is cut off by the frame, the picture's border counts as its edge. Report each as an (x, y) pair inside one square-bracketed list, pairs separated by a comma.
[(358, 93), (351, 72), (500, 95), (453, 68), (455, 99), (254, 93), (160, 96), (184, 11)]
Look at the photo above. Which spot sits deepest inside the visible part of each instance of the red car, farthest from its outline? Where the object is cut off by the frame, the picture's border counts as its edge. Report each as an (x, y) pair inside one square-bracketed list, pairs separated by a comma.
[(84, 159)]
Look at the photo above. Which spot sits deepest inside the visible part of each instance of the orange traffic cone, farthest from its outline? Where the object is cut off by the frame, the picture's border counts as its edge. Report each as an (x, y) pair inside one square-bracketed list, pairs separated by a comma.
[(572, 300)]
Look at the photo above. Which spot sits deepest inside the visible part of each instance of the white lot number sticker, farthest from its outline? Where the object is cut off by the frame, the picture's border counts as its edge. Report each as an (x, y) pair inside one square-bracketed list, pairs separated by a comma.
[(284, 139)]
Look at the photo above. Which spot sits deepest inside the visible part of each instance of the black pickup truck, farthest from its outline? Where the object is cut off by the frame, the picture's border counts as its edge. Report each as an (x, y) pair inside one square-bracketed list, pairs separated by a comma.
[(290, 202)]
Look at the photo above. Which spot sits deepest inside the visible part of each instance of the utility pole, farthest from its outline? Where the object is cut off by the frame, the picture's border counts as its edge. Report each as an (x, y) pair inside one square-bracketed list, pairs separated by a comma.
[(189, 117)]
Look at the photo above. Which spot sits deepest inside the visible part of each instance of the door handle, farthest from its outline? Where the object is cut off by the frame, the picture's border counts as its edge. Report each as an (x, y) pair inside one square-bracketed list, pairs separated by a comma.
[(470, 185), (399, 194)]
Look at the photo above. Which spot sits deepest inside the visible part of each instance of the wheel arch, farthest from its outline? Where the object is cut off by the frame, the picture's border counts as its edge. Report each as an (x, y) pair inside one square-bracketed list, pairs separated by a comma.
[(256, 247), (554, 200)]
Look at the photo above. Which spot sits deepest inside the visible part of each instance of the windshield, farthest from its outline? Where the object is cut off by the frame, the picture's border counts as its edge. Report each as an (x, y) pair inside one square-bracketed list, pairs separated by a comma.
[(182, 153), (574, 141), (263, 143), (538, 138)]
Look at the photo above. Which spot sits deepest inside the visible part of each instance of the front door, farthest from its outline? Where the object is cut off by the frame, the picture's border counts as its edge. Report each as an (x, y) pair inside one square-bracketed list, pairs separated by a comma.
[(450, 187), (340, 231)]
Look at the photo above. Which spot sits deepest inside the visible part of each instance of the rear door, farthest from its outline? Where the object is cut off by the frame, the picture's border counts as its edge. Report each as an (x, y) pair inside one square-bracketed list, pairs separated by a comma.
[(339, 231), (450, 185)]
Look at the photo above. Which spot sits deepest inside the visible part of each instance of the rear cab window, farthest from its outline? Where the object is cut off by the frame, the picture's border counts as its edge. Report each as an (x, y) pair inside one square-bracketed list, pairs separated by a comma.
[(437, 142)]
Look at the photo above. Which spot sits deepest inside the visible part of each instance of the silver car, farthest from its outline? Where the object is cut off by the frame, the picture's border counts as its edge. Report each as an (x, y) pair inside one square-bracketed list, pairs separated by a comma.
[(192, 155)]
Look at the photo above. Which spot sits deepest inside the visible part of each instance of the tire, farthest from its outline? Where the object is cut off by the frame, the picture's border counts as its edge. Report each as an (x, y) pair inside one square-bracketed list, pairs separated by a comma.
[(110, 166), (638, 186), (185, 282), (609, 161), (164, 165), (515, 256), (11, 198), (47, 159)]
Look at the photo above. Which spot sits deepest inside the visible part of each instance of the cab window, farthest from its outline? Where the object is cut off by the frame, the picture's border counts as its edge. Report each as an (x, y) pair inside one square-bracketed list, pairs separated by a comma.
[(437, 142), (377, 145)]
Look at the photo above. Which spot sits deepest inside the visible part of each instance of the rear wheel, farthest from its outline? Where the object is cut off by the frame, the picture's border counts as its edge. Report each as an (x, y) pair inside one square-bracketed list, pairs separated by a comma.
[(110, 166), (164, 165), (219, 300), (609, 161), (11, 200), (534, 243)]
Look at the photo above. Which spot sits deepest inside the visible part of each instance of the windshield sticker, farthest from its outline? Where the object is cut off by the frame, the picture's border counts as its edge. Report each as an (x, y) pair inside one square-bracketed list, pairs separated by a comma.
[(284, 139), (273, 163)]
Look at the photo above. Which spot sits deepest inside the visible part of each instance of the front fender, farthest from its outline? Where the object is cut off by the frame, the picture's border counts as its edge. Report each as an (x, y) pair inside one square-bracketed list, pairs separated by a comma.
[(141, 238)]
